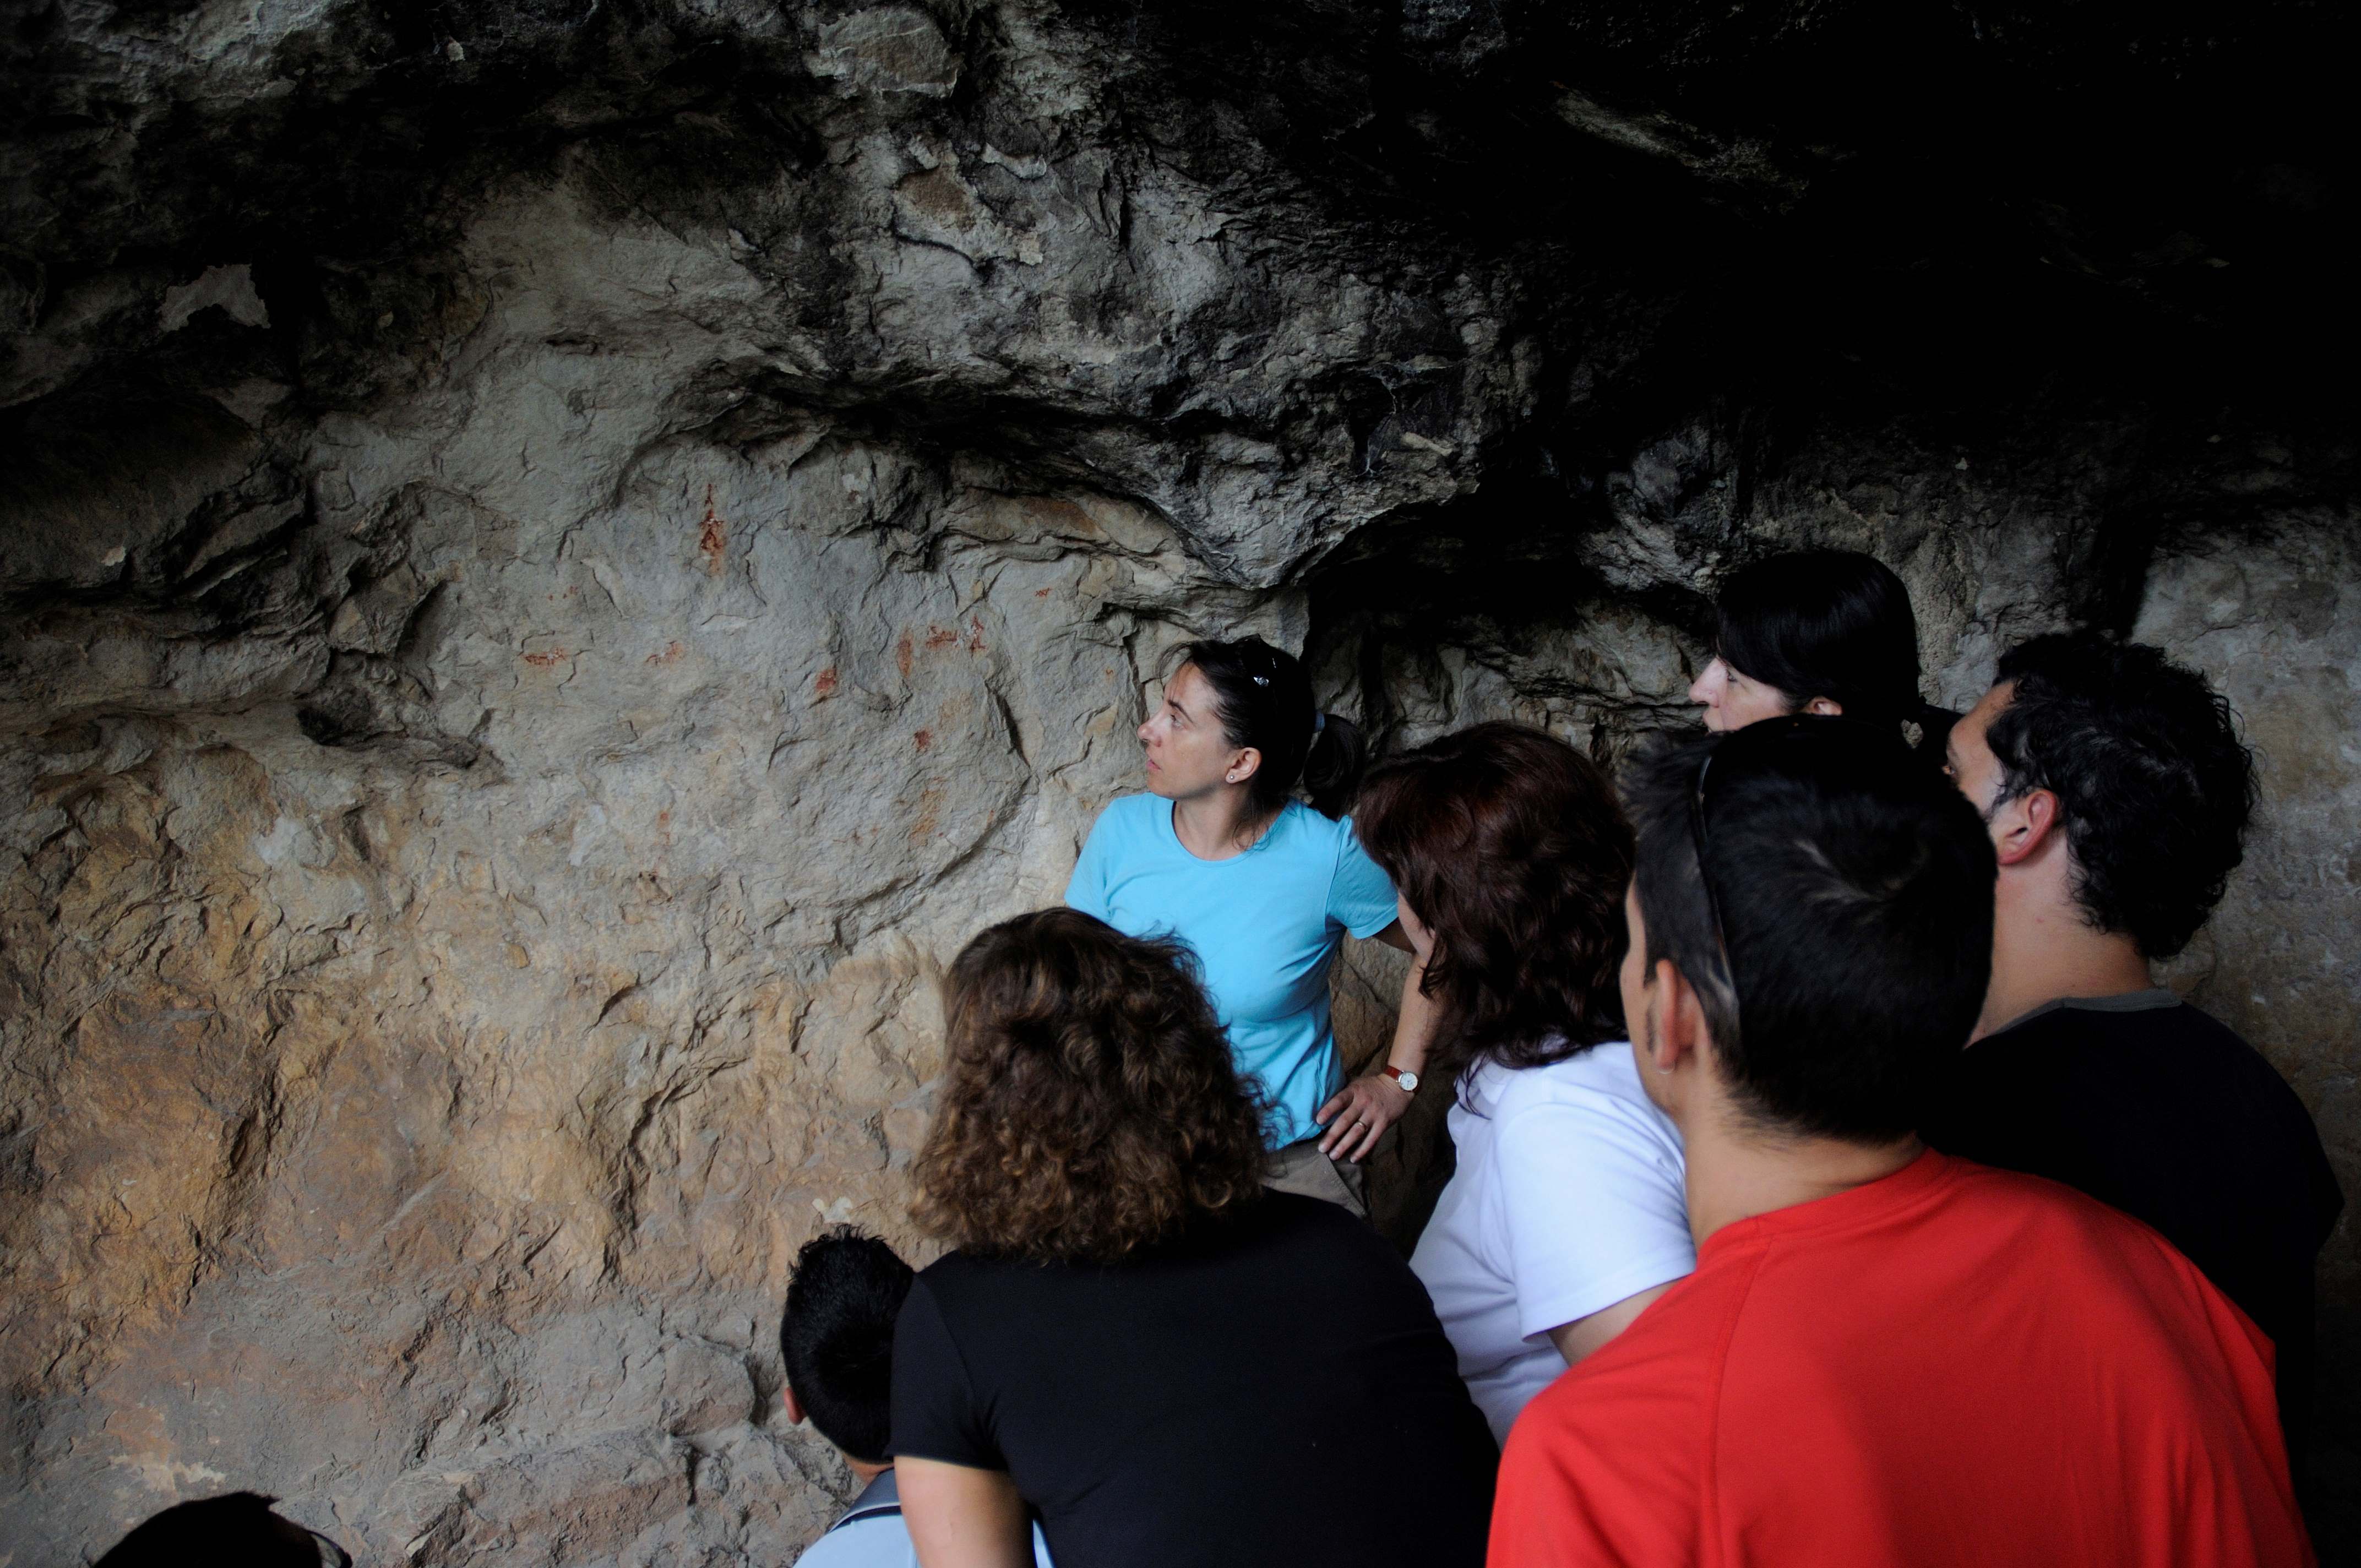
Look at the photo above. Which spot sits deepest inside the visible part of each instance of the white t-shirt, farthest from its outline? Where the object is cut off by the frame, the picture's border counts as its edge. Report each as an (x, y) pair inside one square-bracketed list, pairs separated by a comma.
[(1567, 1200)]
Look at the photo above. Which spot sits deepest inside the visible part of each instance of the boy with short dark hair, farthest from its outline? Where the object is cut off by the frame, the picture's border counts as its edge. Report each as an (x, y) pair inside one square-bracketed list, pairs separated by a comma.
[(1885, 1355), (2116, 793), (836, 1338)]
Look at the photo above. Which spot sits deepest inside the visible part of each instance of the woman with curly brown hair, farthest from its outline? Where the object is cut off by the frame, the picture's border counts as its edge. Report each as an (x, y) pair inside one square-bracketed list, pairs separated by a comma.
[(1565, 1217), (1134, 1338)]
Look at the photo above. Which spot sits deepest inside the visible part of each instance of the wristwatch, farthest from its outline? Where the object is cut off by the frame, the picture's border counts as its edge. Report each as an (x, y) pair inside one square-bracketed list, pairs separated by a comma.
[(1407, 1081)]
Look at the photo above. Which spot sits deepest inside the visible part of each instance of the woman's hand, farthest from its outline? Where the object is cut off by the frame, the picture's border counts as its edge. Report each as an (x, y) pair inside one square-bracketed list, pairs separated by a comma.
[(1365, 1107), (1361, 1110)]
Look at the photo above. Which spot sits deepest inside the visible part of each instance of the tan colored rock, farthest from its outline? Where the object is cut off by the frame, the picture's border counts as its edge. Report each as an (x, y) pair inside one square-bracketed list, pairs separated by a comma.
[(514, 683)]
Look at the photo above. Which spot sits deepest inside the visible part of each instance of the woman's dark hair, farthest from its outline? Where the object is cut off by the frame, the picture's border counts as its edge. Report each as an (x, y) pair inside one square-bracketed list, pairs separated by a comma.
[(1264, 700), (1509, 847), (2154, 786), (1090, 1106), (836, 1338), (1831, 623)]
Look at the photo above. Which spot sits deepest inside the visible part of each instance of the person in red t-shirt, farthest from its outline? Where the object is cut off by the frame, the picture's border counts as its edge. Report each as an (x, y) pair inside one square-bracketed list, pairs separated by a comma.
[(1885, 1356)]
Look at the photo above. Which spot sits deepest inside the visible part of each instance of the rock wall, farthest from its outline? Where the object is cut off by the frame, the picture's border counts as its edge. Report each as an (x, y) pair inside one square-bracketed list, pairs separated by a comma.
[(556, 561)]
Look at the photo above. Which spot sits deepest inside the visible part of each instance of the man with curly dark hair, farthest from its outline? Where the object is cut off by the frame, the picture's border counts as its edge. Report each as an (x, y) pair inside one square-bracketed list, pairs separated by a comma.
[(2118, 794), (1134, 1340)]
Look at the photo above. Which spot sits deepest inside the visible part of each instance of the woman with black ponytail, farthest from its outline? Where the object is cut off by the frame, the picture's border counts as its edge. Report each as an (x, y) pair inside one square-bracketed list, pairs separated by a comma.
[(1263, 888), (1825, 632)]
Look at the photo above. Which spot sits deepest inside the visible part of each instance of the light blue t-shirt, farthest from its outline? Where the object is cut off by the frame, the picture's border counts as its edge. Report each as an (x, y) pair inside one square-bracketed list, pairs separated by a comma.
[(1265, 927), (872, 1534)]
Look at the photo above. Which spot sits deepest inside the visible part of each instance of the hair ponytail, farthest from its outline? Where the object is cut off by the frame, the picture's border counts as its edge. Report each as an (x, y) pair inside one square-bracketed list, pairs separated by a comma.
[(1332, 769), (1265, 699), (1934, 728)]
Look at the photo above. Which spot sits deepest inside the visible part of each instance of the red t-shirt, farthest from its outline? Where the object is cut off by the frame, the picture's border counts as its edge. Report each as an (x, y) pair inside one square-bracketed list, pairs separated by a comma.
[(1953, 1365)]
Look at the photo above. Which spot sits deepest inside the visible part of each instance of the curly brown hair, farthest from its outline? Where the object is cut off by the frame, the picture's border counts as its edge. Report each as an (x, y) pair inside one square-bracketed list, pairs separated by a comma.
[(1510, 846), (1090, 1106)]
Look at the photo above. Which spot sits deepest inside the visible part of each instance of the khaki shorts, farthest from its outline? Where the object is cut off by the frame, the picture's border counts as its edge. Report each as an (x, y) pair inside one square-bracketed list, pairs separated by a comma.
[(1301, 1168)]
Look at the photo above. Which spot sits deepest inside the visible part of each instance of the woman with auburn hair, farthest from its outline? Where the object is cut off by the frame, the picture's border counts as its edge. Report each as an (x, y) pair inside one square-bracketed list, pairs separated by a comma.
[(1565, 1216), (1263, 888), (1135, 1339)]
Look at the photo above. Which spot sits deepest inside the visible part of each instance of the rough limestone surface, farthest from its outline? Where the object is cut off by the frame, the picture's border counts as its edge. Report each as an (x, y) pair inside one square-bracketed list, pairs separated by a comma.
[(557, 559)]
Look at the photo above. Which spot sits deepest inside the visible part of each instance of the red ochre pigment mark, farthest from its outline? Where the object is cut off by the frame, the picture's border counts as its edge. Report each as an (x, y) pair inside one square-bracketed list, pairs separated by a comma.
[(925, 738), (712, 536), (902, 654), (542, 661), (930, 800), (670, 655), (824, 684), (1040, 593), (953, 636)]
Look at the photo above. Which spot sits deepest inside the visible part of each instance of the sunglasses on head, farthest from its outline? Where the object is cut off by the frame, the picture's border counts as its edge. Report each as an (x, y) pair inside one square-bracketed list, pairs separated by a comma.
[(1744, 752)]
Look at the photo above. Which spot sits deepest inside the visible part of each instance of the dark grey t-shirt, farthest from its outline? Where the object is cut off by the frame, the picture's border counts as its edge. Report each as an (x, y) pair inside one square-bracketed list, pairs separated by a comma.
[(2146, 1104), (1270, 1388)]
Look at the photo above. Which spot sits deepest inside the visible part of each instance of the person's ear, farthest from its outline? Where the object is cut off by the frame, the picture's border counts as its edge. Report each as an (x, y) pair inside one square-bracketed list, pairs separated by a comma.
[(1689, 1029), (794, 1406), (2021, 827), (1243, 764), (1676, 1024), (1824, 707)]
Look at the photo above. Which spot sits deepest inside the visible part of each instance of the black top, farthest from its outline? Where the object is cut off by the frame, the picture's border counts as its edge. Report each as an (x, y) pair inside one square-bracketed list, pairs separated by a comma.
[(2148, 1104), (1272, 1388)]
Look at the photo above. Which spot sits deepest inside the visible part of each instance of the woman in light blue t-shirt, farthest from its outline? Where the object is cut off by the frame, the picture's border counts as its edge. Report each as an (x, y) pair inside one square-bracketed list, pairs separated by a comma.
[(1220, 853)]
